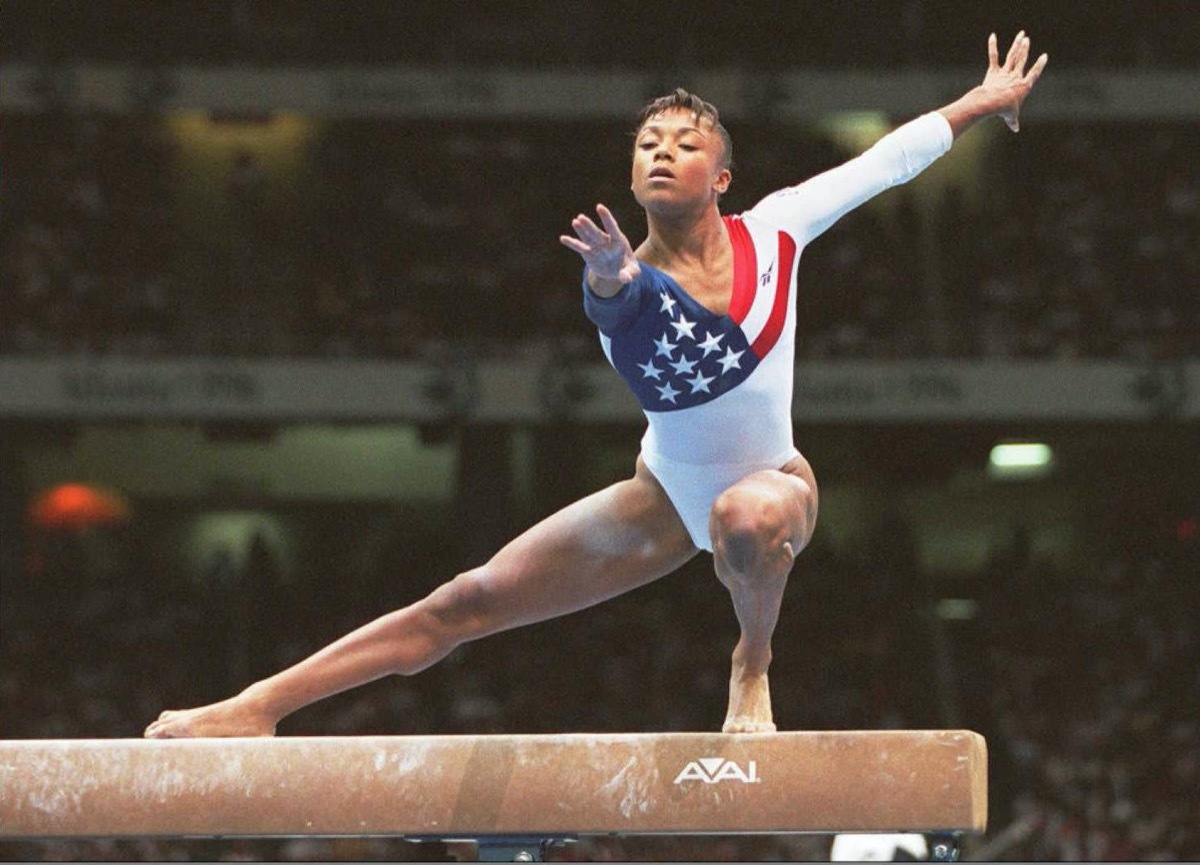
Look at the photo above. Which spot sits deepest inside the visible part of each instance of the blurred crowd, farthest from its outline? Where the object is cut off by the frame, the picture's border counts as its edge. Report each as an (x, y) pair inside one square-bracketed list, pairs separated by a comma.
[(764, 34), (88, 257), (398, 239), (1086, 684), (1094, 699), (1087, 244)]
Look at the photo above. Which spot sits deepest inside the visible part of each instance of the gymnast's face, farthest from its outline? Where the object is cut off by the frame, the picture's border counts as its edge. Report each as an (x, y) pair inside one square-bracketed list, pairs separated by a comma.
[(678, 161)]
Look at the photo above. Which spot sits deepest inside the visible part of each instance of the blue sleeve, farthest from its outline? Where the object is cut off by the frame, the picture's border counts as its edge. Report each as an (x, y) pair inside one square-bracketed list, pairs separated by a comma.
[(615, 314)]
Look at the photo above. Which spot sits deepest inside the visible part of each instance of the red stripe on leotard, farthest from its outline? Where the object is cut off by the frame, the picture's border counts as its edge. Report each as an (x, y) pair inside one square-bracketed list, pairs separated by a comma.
[(783, 277), (745, 269)]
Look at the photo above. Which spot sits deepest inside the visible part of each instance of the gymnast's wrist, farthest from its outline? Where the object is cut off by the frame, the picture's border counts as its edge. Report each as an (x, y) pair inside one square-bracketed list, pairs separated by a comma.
[(602, 286), (976, 104)]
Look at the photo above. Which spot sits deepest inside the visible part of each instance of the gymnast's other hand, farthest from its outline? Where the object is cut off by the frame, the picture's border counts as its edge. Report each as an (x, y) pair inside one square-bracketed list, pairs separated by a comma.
[(606, 251), (1003, 90), (1008, 83), (236, 716)]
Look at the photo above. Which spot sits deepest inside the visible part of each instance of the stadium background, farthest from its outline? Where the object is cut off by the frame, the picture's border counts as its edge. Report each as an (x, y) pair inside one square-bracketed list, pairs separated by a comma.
[(287, 338)]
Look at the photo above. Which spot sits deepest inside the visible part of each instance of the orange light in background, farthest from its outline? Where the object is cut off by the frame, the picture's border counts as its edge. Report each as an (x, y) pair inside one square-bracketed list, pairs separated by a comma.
[(78, 506)]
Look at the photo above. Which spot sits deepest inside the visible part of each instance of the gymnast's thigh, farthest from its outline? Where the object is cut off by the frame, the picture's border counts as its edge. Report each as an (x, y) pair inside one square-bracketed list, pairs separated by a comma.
[(610, 542)]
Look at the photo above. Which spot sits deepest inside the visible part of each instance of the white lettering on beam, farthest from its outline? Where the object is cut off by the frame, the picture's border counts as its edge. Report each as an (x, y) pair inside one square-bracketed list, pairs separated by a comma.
[(712, 770)]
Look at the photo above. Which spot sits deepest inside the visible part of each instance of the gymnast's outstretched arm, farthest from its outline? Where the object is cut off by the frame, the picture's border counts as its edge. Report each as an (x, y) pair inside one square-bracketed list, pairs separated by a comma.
[(808, 209)]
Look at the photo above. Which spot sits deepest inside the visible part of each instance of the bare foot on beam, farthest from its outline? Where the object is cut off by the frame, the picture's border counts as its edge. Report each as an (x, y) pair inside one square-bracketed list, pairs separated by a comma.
[(749, 706), (232, 717)]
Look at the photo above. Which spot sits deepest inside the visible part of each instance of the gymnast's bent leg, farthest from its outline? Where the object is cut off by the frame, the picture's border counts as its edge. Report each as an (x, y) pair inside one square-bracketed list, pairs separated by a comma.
[(613, 541), (758, 526)]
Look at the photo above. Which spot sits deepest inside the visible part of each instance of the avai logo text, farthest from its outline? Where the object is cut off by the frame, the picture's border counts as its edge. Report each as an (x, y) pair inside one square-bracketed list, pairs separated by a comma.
[(713, 770)]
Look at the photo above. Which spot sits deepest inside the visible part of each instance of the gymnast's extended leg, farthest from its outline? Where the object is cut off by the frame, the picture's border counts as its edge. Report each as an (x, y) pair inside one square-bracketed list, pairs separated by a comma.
[(758, 526), (610, 542)]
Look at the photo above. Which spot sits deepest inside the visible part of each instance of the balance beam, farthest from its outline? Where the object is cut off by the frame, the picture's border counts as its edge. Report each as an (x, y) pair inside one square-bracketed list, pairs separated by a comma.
[(469, 787)]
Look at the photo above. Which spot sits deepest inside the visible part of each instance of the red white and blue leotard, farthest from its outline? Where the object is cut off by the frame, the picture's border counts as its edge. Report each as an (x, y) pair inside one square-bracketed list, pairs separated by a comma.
[(717, 389)]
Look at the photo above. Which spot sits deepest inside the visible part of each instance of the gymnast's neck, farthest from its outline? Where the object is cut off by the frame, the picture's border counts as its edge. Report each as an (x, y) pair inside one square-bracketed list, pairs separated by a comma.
[(684, 238)]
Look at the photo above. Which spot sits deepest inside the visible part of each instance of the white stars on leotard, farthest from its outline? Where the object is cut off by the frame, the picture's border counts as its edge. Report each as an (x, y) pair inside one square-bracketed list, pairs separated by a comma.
[(690, 371), (683, 327), (711, 342), (730, 360), (666, 392), (700, 382), (649, 370), (683, 366)]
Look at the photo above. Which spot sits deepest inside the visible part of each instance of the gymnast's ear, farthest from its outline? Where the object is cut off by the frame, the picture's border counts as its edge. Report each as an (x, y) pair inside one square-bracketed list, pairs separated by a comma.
[(723, 179)]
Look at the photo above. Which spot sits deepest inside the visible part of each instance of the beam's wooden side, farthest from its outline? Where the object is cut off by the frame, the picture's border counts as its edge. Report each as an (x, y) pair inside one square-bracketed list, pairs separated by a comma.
[(470, 786)]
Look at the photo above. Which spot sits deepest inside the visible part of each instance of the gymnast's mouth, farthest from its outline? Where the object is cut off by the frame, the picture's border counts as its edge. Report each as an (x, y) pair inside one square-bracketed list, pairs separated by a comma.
[(661, 172)]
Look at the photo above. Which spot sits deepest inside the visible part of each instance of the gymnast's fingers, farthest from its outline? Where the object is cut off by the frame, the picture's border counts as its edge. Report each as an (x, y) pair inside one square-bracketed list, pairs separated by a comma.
[(573, 244), (1035, 72), (609, 221), (585, 228), (1022, 56), (1014, 50)]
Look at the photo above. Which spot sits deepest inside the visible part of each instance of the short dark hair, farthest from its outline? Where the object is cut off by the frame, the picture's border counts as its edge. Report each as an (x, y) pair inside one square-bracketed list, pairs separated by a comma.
[(681, 100)]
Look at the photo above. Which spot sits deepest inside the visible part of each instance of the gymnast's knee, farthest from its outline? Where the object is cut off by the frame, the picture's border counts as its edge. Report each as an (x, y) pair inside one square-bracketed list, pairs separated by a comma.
[(751, 534)]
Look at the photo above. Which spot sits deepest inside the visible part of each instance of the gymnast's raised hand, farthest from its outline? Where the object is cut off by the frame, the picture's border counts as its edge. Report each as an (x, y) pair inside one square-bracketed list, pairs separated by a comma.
[(1004, 89), (606, 252)]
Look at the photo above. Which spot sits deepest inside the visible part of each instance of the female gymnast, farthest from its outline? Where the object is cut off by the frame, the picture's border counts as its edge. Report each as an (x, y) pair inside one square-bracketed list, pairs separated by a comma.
[(699, 320)]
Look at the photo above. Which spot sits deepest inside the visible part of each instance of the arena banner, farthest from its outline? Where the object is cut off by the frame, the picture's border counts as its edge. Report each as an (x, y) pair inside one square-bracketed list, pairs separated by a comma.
[(565, 94), (503, 392), (216, 389), (991, 390)]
